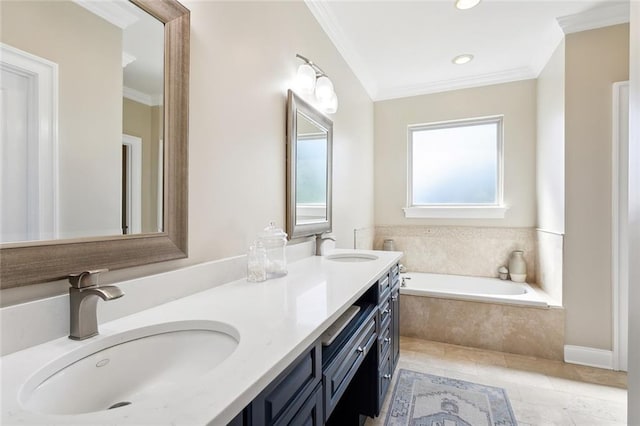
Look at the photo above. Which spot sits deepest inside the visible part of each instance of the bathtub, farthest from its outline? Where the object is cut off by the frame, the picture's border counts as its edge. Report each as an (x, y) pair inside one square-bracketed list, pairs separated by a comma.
[(477, 289)]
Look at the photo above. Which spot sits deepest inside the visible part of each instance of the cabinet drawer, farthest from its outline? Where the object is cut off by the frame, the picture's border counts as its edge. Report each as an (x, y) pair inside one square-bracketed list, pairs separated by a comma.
[(385, 311), (385, 341), (384, 286), (310, 414), (394, 276), (290, 390), (384, 380), (395, 270), (339, 373)]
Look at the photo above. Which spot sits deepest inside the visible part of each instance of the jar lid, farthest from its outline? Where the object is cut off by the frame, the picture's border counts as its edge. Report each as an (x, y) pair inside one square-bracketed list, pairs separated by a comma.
[(271, 232)]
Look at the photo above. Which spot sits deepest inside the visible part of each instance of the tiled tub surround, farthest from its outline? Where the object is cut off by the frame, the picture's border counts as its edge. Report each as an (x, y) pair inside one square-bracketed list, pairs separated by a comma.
[(473, 289), (479, 252), (276, 320), (520, 330), (460, 250)]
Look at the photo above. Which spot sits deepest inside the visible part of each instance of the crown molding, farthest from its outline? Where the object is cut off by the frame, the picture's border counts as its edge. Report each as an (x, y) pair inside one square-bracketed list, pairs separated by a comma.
[(329, 24), (119, 13), (507, 76), (127, 58), (617, 13), (140, 97)]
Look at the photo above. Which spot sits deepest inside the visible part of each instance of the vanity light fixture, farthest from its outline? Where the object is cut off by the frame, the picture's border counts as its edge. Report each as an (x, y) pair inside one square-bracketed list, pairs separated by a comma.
[(311, 81), (462, 59), (466, 4)]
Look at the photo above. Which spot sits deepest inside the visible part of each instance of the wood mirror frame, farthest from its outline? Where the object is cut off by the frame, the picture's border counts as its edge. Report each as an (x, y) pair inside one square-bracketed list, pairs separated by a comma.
[(42, 261)]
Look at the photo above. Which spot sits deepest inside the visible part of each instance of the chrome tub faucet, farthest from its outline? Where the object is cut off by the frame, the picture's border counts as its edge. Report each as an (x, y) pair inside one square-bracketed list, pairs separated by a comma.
[(84, 293)]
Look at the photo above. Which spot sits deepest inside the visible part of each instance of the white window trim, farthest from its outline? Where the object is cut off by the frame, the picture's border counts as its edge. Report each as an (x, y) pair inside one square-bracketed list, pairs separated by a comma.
[(457, 212), (463, 211)]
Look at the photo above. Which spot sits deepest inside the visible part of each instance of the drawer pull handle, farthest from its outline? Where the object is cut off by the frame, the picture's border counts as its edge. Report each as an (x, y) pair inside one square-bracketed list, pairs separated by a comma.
[(394, 298), (386, 311), (387, 377), (387, 340), (360, 350)]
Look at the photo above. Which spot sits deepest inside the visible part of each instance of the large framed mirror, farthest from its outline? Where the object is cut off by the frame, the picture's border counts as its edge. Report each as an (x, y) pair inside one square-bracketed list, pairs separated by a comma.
[(113, 191), (309, 161)]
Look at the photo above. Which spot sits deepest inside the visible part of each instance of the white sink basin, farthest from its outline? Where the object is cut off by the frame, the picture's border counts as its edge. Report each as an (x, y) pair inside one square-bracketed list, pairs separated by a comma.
[(118, 370), (352, 257)]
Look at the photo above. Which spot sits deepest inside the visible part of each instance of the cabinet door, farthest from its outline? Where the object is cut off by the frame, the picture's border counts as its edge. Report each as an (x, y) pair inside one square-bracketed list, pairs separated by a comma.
[(290, 390), (384, 380), (242, 419), (310, 414), (395, 327)]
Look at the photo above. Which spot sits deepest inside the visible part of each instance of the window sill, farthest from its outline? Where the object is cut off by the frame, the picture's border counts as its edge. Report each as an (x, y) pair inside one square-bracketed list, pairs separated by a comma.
[(457, 212)]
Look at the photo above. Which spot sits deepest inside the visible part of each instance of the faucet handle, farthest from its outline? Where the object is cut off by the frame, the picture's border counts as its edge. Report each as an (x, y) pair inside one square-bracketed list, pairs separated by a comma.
[(85, 278)]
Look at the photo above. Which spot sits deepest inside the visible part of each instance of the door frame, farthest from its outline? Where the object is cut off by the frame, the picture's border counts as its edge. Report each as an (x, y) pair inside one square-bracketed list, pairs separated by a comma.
[(620, 222), (134, 184)]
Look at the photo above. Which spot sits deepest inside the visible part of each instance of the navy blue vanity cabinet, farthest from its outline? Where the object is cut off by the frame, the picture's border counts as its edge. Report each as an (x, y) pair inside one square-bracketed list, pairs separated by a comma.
[(340, 383), (292, 391), (310, 414), (395, 316), (242, 419), (343, 358), (388, 332)]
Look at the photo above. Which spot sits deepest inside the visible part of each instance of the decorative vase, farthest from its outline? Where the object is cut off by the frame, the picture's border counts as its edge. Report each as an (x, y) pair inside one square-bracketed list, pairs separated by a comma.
[(517, 267)]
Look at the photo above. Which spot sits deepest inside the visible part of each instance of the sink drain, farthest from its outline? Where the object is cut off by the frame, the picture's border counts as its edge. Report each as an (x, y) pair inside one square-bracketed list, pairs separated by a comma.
[(119, 404)]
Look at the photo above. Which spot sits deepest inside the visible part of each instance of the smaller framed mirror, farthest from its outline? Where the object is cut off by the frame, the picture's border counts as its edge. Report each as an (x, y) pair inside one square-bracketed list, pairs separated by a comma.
[(309, 154)]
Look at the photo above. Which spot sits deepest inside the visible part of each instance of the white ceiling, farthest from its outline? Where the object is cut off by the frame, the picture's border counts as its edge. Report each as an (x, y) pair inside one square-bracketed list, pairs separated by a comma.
[(405, 48)]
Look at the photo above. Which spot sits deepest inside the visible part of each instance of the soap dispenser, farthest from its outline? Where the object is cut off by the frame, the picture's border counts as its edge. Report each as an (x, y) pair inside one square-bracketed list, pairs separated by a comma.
[(274, 241)]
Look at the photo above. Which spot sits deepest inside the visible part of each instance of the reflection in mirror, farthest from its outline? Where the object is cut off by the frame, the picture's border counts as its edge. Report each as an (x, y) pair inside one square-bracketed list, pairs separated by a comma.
[(77, 36), (311, 171), (83, 117), (309, 151)]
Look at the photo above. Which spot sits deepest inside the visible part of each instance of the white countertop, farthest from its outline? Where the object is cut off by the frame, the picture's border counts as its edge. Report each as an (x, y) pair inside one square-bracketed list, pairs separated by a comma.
[(276, 320)]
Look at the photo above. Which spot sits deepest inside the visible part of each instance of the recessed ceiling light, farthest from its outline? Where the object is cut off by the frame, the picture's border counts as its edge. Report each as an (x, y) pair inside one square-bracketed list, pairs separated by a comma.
[(462, 59), (466, 4)]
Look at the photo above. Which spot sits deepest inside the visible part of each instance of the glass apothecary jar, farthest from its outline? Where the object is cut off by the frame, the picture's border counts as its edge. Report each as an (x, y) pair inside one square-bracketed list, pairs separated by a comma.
[(274, 241)]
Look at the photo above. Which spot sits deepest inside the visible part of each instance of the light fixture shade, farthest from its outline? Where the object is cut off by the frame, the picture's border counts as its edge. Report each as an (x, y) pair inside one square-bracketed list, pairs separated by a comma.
[(306, 78), (462, 59), (466, 4), (331, 105), (324, 89)]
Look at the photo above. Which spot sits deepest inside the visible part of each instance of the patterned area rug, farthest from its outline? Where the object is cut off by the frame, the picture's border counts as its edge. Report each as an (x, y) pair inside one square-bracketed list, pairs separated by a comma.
[(424, 400)]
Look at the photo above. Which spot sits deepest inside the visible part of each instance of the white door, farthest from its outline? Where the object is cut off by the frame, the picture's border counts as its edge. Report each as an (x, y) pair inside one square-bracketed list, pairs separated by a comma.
[(28, 146), (17, 224)]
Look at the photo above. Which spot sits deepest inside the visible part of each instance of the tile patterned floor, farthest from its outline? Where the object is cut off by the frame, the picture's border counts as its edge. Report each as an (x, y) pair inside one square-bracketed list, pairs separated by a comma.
[(542, 392)]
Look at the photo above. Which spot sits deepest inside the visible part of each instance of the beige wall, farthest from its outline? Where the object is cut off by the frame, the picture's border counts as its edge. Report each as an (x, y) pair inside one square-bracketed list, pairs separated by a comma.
[(634, 218), (90, 106), (594, 60), (517, 101), (142, 121), (242, 63)]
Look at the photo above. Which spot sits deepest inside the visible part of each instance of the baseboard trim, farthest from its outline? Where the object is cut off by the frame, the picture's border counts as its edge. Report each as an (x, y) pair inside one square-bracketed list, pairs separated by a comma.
[(591, 357)]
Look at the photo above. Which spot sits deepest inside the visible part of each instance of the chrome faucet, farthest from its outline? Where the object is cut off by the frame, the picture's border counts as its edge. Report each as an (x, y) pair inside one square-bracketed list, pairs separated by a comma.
[(83, 303), (322, 243)]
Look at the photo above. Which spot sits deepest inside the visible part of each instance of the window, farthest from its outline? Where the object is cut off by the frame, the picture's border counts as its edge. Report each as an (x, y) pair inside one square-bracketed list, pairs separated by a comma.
[(455, 169)]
